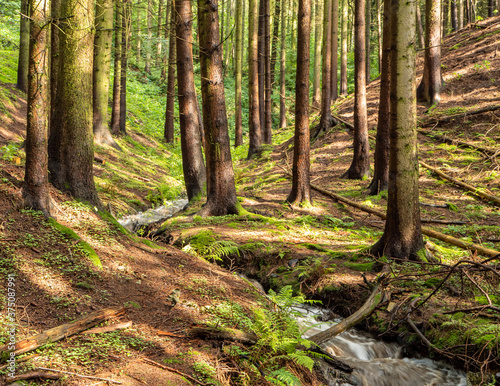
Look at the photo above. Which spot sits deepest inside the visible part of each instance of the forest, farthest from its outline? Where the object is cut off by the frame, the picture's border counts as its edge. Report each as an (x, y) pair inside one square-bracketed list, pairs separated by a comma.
[(250, 192)]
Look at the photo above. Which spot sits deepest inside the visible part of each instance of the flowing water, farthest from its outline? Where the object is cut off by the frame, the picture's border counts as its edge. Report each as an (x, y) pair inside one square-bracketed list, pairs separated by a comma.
[(377, 363), (134, 221)]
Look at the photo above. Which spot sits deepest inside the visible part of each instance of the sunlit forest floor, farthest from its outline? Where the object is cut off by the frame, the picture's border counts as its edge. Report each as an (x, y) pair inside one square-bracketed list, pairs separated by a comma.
[(318, 250)]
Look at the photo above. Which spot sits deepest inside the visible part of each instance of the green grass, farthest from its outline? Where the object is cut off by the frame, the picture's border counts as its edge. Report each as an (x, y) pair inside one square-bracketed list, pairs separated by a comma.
[(8, 66)]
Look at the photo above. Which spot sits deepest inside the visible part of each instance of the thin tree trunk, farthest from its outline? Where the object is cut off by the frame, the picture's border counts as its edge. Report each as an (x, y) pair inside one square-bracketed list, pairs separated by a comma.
[(301, 189), (326, 120), (380, 179), (275, 37), (402, 236), (379, 35), (262, 69), (491, 7), (149, 14), (192, 156), (101, 72), (453, 15), (360, 166), (368, 18), (36, 181), (343, 58), (169, 113), (460, 16), (221, 191), (335, 50), (318, 18), (138, 41), (238, 129), (115, 107), (421, 39), (254, 126), (126, 25), (282, 66), (159, 33), (54, 63), (267, 75), (165, 57), (24, 42)]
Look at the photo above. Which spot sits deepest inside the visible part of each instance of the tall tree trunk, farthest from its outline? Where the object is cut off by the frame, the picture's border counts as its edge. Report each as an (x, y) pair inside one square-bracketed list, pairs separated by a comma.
[(491, 7), (301, 188), (138, 41), (55, 10), (380, 179), (326, 120), (379, 34), (282, 66), (318, 18), (262, 68), (165, 57), (460, 16), (343, 57), (221, 191), (71, 154), (360, 166), (444, 18), (268, 122), (24, 42), (402, 236), (421, 39), (453, 15), (275, 41), (159, 33), (192, 156), (254, 126), (36, 180), (126, 26), (368, 18), (238, 129), (430, 87), (335, 50), (115, 106), (169, 113), (101, 71), (149, 14)]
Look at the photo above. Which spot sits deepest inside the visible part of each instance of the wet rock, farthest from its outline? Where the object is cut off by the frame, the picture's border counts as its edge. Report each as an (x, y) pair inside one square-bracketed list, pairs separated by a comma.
[(293, 263)]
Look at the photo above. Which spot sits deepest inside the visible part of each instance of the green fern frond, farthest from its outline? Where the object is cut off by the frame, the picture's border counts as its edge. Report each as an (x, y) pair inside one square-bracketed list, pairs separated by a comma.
[(283, 377)]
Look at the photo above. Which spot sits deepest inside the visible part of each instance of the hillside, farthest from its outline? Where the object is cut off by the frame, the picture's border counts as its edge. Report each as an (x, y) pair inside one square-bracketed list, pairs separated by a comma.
[(318, 250)]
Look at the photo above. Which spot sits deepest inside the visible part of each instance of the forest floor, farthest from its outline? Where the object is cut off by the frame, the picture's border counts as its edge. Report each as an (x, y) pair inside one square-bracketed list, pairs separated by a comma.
[(319, 250)]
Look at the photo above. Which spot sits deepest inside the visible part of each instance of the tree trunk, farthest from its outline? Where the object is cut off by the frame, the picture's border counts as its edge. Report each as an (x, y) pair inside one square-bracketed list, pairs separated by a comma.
[(36, 180), (460, 13), (159, 33), (301, 188), (343, 57), (444, 18), (430, 87), (491, 7), (71, 154), (276, 27), (326, 120), (282, 66), (268, 123), (262, 69), (368, 18), (402, 236), (453, 15), (238, 129), (126, 25), (165, 57), (192, 156), (421, 39), (221, 191), (101, 71), (149, 13), (55, 8), (379, 35), (380, 179), (24, 43), (254, 126), (335, 50), (169, 113), (115, 107), (138, 39), (318, 17), (360, 166)]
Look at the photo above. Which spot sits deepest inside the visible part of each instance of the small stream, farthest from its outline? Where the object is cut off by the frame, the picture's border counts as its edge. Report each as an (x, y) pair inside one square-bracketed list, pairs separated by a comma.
[(377, 363)]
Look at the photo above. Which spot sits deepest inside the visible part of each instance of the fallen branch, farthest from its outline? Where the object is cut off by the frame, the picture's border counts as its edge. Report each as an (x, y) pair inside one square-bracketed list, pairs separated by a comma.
[(65, 330), (114, 327), (99, 159), (363, 312), (224, 334), (447, 118), (81, 376), (32, 375), (471, 188), (456, 142), (171, 369), (445, 222)]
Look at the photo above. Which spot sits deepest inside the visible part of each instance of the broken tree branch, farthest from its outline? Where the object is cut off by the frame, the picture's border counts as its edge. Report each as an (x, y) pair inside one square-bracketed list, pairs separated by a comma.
[(65, 330), (32, 375), (447, 118), (471, 188), (114, 327), (231, 334)]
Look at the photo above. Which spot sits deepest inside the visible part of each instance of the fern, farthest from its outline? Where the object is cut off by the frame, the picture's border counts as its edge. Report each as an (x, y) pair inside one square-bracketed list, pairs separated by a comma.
[(283, 377), (219, 249)]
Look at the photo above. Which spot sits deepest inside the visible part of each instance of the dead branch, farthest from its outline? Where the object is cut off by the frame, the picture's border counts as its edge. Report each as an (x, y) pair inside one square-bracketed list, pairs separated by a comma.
[(471, 188), (81, 376), (446, 222), (171, 369), (32, 375), (224, 334), (65, 330), (114, 327), (447, 118)]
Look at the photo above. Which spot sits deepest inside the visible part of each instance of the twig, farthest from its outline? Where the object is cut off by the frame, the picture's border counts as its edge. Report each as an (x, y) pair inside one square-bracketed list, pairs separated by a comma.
[(176, 371), (81, 376)]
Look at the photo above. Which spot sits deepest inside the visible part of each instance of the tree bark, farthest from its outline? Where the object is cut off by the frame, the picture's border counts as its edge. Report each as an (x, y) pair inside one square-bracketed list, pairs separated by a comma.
[(55, 8), (453, 15), (101, 71), (301, 188), (379, 35), (36, 180), (402, 236), (275, 38), (368, 18), (138, 41), (360, 166), (343, 57), (268, 123), (318, 17), (254, 124), (335, 50), (238, 128), (421, 39), (169, 113), (165, 57), (380, 179), (326, 120), (126, 26), (221, 191), (192, 156), (282, 66), (71, 150), (24, 43), (115, 107), (262, 69), (149, 12), (430, 87), (460, 13), (159, 32)]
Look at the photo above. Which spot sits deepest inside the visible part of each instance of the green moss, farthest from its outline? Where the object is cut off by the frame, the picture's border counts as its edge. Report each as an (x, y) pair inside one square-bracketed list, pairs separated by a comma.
[(362, 267), (432, 282), (106, 216)]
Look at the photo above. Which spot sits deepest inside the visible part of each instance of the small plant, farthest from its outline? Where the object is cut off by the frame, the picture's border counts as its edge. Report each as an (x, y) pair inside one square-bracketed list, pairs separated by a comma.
[(457, 76)]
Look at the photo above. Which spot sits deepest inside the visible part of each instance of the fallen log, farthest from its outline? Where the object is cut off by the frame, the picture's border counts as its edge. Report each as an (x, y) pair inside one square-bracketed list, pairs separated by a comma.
[(223, 334), (99, 159), (32, 375), (65, 330), (470, 188), (447, 118), (362, 313)]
